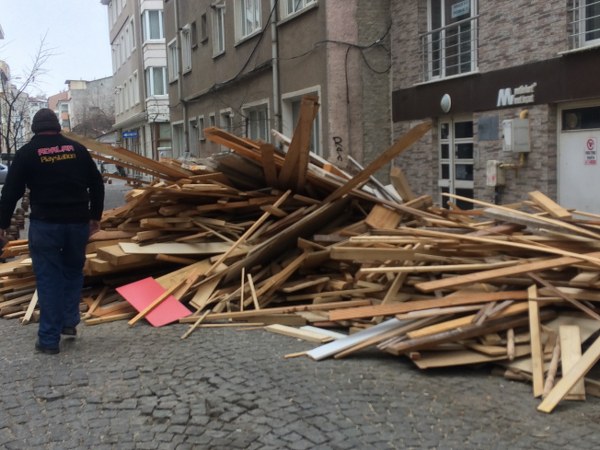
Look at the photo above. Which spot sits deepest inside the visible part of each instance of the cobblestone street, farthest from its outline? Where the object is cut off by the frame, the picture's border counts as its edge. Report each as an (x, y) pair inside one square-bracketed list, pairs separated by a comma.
[(120, 387)]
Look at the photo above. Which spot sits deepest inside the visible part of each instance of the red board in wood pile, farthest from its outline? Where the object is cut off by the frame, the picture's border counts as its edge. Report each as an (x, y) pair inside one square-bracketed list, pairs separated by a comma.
[(143, 292)]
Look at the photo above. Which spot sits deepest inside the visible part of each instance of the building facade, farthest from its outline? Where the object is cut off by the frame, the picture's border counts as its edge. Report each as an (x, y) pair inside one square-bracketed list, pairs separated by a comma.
[(244, 66), (139, 75), (512, 93)]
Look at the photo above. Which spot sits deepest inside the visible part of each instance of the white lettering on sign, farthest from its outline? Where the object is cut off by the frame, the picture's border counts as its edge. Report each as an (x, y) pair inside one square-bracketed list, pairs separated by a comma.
[(460, 8), (520, 95), (591, 146)]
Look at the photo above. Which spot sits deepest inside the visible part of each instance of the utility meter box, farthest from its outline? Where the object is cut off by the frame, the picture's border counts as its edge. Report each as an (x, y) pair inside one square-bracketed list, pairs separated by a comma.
[(516, 135), (494, 175)]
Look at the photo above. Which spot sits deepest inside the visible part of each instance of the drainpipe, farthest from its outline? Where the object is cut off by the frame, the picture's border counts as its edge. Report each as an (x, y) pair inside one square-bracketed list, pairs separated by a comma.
[(186, 131), (275, 65)]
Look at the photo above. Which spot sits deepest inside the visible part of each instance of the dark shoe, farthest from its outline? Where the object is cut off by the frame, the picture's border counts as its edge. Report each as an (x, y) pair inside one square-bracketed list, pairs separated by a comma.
[(69, 332), (46, 350)]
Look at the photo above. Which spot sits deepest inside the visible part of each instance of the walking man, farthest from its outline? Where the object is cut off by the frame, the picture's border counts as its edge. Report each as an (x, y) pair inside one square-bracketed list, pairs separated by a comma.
[(67, 198)]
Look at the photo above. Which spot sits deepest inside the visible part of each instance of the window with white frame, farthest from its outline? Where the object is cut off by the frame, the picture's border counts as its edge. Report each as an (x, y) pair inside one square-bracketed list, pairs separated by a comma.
[(450, 45), (193, 132), (136, 91), (247, 13), (584, 23), (257, 122), (172, 60), (290, 7), (156, 81), (186, 49), (218, 25), (212, 120), (152, 25), (131, 35)]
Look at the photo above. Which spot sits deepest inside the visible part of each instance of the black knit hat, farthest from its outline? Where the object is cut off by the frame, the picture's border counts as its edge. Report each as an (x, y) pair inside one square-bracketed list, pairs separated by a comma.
[(45, 120)]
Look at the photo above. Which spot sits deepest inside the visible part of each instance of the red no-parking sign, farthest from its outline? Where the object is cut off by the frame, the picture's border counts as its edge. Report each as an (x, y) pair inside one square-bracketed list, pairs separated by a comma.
[(591, 146)]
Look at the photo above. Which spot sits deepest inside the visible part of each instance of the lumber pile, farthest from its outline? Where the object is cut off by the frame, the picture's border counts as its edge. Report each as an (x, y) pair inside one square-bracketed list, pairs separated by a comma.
[(260, 236)]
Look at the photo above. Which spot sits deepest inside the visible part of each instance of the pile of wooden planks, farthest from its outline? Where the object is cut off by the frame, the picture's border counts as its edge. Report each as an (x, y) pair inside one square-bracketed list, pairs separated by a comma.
[(264, 236)]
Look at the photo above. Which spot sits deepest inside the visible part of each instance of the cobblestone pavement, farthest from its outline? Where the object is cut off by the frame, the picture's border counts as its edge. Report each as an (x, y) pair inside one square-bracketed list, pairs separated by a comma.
[(116, 387)]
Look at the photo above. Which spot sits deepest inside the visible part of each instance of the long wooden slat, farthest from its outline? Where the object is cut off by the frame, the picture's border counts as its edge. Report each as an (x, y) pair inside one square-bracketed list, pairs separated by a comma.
[(535, 332), (570, 344), (416, 305), (486, 275)]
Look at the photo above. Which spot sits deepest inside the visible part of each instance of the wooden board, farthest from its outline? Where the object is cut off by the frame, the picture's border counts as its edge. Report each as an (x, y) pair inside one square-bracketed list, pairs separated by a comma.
[(176, 248), (570, 345)]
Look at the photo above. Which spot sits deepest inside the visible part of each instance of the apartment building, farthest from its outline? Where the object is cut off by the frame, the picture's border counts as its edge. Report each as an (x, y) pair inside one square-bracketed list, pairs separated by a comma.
[(139, 75), (511, 88), (244, 66)]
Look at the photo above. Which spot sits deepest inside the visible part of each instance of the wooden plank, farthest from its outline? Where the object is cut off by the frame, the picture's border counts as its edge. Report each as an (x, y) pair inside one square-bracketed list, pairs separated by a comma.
[(537, 355), (352, 340), (382, 217), (549, 205), (175, 248), (295, 165), (566, 383), (267, 152), (401, 184), (465, 298), (305, 335), (431, 360), (283, 310), (412, 136), (570, 345)]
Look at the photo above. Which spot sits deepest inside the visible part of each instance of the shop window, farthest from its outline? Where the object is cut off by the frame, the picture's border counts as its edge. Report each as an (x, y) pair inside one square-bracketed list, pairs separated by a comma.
[(450, 45)]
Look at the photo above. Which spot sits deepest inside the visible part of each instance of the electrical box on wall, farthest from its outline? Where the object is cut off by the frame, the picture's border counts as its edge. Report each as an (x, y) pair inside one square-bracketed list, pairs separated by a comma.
[(516, 135), (494, 175)]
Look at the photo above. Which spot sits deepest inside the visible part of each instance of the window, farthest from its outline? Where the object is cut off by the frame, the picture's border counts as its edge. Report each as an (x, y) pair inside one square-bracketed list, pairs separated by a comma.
[(450, 44), (211, 121), (226, 120), (584, 26), (186, 49), (247, 14), (257, 122), (194, 34), (293, 6), (203, 28), (152, 24), (201, 127), (172, 61), (456, 160), (218, 29), (581, 119), (156, 82)]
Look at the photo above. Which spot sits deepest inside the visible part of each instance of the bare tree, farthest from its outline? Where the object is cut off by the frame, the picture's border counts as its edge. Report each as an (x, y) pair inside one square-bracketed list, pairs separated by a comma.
[(14, 111)]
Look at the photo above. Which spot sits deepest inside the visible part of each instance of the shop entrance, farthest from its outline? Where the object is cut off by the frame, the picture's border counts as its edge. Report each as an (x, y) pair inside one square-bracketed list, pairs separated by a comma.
[(578, 159)]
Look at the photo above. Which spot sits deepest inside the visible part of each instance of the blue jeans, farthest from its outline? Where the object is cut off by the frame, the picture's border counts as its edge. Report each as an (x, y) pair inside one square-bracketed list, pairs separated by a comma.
[(58, 254)]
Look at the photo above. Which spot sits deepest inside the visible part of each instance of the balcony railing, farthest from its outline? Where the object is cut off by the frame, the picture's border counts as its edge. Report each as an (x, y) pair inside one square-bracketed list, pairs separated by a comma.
[(450, 50)]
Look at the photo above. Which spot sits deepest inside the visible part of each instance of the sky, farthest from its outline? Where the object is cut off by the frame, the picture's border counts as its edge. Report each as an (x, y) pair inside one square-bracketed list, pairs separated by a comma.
[(76, 36)]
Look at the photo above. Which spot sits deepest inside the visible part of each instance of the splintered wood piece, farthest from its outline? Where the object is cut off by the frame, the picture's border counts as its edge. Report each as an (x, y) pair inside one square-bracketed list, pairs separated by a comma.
[(30, 308), (566, 383), (570, 343), (537, 355), (267, 152)]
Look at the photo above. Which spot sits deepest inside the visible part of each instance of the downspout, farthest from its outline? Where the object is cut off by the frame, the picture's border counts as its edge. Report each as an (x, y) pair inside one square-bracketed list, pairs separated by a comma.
[(275, 65), (186, 131)]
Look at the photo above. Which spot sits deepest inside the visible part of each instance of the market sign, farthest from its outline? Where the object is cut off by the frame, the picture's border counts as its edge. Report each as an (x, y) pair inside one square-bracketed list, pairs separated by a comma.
[(521, 95)]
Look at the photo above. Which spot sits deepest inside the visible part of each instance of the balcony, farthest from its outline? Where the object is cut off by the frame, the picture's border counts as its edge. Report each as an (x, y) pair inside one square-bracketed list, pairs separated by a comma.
[(449, 51)]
